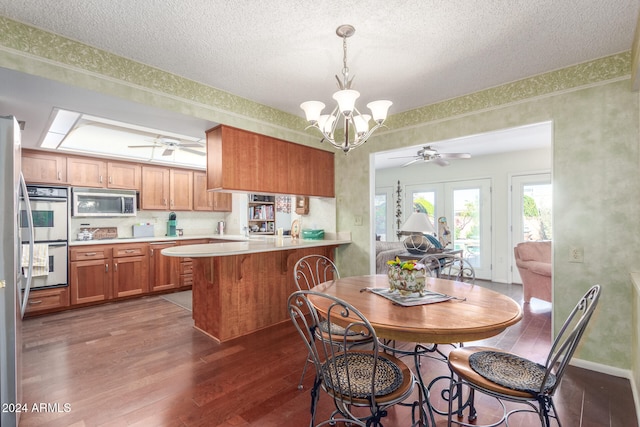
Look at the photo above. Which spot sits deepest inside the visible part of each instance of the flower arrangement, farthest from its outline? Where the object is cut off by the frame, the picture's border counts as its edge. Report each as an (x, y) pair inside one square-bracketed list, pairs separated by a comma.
[(405, 265), (407, 277)]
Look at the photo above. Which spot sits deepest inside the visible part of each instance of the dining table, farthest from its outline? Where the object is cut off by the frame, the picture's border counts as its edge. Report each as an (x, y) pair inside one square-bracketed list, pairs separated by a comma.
[(451, 312)]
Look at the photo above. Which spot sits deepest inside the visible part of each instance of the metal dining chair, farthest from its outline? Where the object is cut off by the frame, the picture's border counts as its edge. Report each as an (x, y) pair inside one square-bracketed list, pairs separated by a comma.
[(449, 266), (507, 376), (309, 272), (352, 378)]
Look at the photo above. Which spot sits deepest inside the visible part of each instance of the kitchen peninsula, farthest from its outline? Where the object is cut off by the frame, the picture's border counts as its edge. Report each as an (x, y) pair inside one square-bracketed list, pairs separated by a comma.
[(242, 287)]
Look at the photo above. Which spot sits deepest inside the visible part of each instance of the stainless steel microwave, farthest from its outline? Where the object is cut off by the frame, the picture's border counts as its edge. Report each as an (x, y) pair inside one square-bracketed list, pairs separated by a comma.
[(102, 202)]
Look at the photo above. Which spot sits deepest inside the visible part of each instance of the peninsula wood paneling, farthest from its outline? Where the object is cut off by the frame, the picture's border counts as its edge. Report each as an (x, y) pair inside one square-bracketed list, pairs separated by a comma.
[(239, 294)]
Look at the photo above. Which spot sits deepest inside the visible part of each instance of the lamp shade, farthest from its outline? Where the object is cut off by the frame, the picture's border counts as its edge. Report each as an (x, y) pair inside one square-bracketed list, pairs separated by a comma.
[(418, 222), (379, 110), (346, 100), (312, 110)]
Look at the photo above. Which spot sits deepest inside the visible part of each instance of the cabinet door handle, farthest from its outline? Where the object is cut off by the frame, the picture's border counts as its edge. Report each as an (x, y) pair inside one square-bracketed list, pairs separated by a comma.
[(171, 202), (129, 251), (59, 176), (151, 251), (100, 179), (110, 180), (106, 268), (115, 265), (164, 202), (36, 302), (90, 254)]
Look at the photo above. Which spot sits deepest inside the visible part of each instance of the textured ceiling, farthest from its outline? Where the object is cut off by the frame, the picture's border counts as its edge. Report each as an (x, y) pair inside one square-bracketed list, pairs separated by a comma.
[(283, 52)]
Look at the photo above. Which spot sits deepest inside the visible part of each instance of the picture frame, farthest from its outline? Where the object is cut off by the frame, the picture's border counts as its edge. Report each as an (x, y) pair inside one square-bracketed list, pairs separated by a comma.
[(302, 205)]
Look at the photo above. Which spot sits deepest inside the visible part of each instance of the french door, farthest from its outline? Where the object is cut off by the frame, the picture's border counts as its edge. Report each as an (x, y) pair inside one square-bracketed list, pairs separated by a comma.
[(465, 208), (531, 208)]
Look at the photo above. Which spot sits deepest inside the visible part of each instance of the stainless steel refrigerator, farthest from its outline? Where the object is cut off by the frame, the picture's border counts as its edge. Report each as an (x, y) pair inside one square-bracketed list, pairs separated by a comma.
[(15, 273)]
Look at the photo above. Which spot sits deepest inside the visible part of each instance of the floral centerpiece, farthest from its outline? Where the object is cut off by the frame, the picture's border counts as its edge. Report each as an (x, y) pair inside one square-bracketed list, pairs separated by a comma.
[(407, 277)]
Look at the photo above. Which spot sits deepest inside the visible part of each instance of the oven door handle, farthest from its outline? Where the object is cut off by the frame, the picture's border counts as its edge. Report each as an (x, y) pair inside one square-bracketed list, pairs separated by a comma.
[(47, 199), (57, 245)]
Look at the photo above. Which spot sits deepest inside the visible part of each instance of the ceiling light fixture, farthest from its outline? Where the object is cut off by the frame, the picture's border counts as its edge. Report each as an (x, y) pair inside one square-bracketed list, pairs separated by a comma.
[(355, 125)]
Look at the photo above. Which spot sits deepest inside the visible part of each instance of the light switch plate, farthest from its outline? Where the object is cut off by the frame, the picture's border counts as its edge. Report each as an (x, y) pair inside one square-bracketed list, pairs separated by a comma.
[(576, 254)]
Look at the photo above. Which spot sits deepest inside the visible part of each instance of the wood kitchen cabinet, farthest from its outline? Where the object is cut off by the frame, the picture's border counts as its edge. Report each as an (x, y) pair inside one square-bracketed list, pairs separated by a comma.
[(180, 190), (166, 189), (155, 182), (44, 168), (246, 161), (124, 175), (86, 172), (45, 300), (102, 272), (90, 274), (130, 269), (163, 270), (204, 200)]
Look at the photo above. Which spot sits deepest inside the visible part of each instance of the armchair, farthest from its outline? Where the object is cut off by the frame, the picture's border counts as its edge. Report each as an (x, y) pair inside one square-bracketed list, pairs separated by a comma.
[(533, 260)]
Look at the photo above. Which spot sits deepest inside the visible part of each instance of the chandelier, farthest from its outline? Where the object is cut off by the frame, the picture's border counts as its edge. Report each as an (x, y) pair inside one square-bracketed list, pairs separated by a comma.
[(355, 126)]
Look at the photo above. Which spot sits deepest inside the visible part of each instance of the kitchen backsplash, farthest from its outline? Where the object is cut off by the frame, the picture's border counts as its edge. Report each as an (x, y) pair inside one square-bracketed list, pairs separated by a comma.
[(192, 223)]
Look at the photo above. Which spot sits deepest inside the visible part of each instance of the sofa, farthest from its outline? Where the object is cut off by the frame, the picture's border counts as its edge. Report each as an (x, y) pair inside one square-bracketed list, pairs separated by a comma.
[(386, 251), (533, 260)]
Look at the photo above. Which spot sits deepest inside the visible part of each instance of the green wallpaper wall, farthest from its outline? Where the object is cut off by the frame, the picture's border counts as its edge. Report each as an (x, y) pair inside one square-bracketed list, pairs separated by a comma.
[(595, 156)]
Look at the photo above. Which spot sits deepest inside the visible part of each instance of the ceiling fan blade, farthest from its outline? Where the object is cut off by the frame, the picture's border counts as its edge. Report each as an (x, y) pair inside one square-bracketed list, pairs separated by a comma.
[(142, 146), (410, 162), (189, 150), (440, 161), (191, 144), (402, 157), (455, 155), (167, 152)]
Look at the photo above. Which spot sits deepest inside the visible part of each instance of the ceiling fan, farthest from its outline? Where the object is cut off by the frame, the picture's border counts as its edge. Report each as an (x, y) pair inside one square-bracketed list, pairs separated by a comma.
[(172, 144), (430, 154)]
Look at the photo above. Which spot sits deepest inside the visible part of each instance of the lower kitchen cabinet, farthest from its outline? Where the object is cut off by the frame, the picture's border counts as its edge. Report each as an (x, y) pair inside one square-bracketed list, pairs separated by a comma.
[(90, 274), (43, 300), (164, 270), (103, 272), (130, 270)]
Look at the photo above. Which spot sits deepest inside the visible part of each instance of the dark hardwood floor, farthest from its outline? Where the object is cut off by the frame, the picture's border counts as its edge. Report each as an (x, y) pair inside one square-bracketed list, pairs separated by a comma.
[(141, 363)]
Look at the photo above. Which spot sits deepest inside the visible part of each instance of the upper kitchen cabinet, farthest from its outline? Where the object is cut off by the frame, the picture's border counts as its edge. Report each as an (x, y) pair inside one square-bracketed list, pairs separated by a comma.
[(44, 168), (204, 200), (238, 160), (92, 172), (166, 189), (124, 175), (311, 171), (155, 183), (180, 190), (86, 171), (245, 161)]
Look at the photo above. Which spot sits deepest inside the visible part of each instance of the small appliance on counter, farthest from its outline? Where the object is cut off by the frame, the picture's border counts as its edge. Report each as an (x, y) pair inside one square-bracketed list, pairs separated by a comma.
[(172, 230), (143, 230), (221, 227)]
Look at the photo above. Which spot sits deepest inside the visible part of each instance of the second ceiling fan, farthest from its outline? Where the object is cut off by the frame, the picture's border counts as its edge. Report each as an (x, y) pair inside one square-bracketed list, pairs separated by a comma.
[(171, 144), (430, 154)]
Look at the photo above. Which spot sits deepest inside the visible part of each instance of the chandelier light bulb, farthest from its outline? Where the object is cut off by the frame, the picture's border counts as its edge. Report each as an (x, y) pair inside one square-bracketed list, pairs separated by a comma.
[(362, 123)]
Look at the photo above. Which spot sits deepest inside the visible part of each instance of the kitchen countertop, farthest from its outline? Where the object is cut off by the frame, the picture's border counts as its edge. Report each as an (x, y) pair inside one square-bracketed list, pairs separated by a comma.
[(231, 237), (254, 245)]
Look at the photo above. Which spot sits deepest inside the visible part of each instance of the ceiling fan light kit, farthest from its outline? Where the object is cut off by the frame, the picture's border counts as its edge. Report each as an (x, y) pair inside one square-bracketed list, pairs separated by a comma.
[(355, 126)]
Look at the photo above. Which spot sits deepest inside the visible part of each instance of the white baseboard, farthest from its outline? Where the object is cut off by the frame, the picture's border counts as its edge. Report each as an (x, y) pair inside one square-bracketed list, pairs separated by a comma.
[(616, 372)]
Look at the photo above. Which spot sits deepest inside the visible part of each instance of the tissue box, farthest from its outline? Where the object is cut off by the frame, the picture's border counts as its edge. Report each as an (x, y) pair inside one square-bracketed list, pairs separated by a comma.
[(143, 231), (312, 234)]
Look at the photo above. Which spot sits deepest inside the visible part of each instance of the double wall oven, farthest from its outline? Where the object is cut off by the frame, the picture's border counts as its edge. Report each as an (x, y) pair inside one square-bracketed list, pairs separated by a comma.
[(50, 212)]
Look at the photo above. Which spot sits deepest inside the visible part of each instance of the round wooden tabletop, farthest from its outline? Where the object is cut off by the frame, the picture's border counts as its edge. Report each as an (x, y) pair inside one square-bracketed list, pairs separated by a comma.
[(482, 314)]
